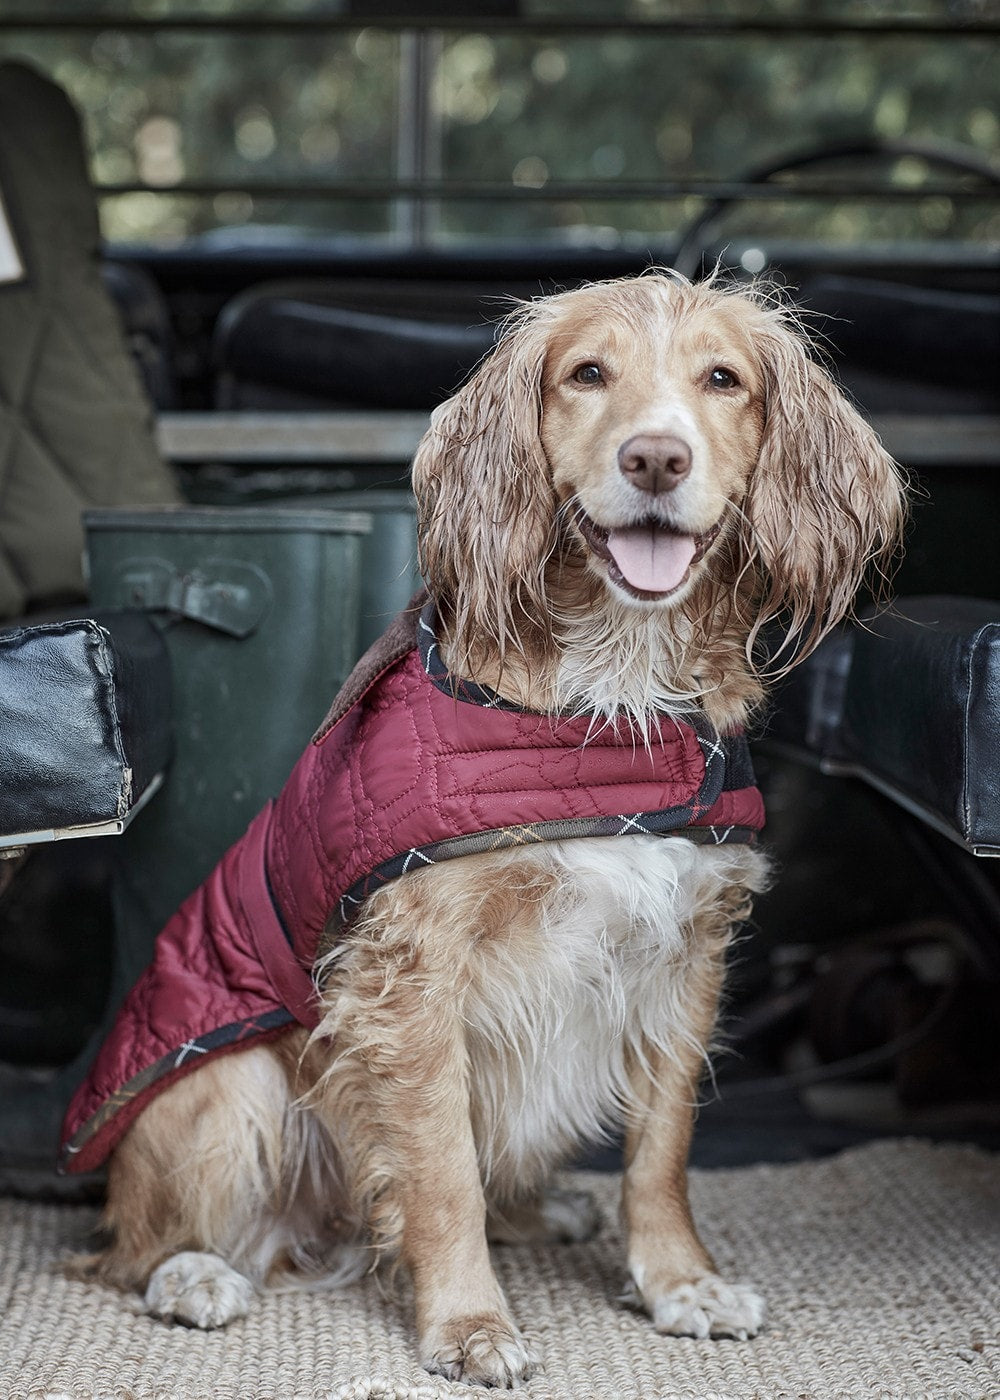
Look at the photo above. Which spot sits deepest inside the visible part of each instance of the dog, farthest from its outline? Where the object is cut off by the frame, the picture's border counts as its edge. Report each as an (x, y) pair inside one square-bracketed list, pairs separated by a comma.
[(642, 477)]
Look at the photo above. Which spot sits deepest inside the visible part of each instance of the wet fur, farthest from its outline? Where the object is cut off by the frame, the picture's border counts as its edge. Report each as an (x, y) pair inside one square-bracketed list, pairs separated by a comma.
[(488, 1015)]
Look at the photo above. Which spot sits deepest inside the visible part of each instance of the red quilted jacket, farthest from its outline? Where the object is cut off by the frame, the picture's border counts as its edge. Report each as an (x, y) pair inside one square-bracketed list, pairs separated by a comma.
[(411, 768)]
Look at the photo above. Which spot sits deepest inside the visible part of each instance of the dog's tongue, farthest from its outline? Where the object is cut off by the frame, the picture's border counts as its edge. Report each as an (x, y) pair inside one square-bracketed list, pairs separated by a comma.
[(651, 559)]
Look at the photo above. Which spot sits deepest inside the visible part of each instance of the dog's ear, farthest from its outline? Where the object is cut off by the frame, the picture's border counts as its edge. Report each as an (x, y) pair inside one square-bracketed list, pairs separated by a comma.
[(825, 500), (485, 502)]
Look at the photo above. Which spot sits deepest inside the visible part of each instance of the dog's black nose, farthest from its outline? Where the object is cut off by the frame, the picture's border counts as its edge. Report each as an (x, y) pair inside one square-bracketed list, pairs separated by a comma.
[(654, 462)]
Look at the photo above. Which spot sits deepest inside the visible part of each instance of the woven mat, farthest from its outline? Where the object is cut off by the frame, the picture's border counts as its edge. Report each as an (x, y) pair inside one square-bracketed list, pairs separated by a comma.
[(881, 1268)]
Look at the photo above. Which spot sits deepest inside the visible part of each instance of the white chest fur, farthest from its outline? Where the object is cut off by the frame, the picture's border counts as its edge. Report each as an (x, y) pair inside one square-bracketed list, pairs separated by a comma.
[(551, 1029)]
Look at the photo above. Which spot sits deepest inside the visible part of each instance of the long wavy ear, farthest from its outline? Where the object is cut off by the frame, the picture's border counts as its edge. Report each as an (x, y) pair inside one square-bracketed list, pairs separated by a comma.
[(485, 503), (825, 501)]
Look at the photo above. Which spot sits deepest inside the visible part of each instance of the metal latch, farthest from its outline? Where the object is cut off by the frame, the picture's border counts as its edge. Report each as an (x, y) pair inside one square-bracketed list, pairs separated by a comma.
[(230, 595)]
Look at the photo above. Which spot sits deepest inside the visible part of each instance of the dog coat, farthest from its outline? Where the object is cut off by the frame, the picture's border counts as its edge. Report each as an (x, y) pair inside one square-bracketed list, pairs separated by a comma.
[(412, 766)]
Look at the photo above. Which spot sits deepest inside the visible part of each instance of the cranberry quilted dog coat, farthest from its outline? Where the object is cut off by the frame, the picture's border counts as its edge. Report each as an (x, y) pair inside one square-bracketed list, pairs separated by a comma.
[(412, 767)]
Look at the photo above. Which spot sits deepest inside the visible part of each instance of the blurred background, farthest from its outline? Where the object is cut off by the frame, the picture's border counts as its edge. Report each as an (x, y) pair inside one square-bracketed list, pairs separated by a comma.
[(300, 114)]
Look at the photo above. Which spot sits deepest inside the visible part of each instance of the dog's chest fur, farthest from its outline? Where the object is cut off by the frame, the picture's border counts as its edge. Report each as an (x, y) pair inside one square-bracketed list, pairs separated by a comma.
[(555, 1013)]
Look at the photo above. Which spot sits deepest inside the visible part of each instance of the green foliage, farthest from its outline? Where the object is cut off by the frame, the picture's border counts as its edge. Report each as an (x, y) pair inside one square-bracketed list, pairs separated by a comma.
[(237, 108)]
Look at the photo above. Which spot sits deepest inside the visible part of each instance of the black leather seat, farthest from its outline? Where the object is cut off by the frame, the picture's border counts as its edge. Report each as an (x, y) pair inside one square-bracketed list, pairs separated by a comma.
[(910, 703), (85, 728), (301, 345), (146, 326), (900, 348)]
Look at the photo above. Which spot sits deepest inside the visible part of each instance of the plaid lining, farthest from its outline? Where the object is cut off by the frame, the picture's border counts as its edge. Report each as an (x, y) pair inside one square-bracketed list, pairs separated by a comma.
[(221, 1038), (455, 686), (663, 823)]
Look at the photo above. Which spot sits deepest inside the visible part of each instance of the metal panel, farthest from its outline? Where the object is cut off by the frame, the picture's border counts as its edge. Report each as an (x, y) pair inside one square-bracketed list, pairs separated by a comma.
[(918, 440)]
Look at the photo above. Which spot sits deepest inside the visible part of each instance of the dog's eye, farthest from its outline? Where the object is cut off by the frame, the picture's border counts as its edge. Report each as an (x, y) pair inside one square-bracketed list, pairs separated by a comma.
[(588, 374), (721, 378)]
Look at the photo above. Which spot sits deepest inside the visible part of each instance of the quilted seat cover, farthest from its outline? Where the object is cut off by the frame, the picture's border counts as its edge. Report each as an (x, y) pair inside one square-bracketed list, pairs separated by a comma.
[(74, 426)]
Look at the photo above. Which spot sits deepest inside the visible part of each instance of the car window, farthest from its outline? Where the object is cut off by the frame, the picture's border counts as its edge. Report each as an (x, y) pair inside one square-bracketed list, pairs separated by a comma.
[(564, 122)]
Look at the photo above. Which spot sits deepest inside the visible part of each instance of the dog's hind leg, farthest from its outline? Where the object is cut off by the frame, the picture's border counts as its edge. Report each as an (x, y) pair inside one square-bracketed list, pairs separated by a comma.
[(196, 1205), (557, 1216)]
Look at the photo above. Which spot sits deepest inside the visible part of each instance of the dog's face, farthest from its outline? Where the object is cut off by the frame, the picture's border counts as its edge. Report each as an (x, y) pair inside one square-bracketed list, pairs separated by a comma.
[(677, 442), (650, 438)]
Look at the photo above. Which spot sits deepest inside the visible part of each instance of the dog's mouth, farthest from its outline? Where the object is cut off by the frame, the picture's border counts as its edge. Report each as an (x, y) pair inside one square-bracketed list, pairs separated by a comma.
[(650, 560)]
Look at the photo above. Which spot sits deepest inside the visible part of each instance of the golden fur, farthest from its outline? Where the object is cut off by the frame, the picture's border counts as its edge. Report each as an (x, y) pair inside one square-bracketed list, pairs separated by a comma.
[(488, 1015)]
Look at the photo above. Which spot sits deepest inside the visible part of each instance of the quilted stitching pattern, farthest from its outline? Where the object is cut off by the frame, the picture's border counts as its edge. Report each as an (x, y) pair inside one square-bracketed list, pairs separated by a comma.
[(413, 766), (411, 774), (204, 989)]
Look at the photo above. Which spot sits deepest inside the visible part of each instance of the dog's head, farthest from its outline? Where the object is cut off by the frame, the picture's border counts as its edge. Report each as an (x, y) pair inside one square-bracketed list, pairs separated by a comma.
[(676, 444)]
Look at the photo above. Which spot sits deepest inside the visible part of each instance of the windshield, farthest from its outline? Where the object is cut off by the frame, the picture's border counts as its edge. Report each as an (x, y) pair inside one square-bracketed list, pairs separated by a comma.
[(549, 121)]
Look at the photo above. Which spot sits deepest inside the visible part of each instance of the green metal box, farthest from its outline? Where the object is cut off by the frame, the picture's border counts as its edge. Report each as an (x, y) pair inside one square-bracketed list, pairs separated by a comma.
[(261, 610)]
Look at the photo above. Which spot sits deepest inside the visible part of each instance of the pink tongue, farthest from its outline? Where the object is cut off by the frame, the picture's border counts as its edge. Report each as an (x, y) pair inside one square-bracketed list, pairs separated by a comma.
[(652, 560)]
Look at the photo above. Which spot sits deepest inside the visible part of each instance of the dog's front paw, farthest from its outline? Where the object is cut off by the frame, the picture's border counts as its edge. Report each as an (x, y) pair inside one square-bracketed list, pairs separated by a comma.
[(484, 1349), (706, 1307), (199, 1290)]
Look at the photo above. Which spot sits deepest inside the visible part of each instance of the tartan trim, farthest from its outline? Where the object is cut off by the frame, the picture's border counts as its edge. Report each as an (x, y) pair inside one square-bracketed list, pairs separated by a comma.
[(732, 747), (175, 1059), (669, 822), (727, 767), (437, 672)]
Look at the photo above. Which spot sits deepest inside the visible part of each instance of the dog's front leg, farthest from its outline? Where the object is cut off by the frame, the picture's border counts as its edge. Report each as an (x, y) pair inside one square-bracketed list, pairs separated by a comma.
[(673, 1275), (464, 1325), (399, 1092)]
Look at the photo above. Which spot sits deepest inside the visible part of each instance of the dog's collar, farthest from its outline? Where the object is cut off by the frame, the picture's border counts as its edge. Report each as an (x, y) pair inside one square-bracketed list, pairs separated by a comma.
[(447, 681), (459, 688)]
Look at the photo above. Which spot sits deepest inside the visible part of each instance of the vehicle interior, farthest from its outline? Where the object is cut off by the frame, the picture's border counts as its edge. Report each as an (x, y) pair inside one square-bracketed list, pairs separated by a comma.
[(245, 250)]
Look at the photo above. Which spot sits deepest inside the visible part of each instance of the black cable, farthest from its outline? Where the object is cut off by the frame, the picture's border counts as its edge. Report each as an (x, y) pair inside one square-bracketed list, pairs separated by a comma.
[(850, 1065)]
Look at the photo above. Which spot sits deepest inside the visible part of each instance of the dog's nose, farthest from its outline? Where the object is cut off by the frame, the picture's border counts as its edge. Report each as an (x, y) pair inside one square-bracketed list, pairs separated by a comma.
[(654, 462)]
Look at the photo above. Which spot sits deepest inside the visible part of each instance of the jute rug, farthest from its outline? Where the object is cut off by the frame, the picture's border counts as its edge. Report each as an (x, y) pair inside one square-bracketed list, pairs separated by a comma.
[(881, 1268)]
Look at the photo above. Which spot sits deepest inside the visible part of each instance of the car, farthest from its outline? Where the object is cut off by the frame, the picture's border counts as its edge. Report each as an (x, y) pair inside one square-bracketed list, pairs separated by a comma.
[(314, 220)]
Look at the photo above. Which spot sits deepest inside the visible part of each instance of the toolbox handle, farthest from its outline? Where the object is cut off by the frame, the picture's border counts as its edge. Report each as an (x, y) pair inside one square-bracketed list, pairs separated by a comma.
[(229, 595)]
